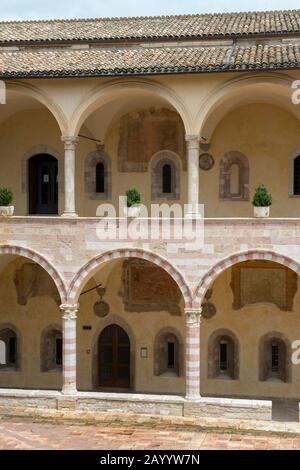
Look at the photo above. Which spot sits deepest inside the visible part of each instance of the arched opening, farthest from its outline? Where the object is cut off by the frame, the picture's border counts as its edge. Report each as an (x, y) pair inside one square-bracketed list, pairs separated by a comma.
[(168, 352), (223, 355), (114, 358), (274, 358), (165, 176), (134, 124), (242, 298), (30, 300), (31, 124), (43, 184), (143, 299)]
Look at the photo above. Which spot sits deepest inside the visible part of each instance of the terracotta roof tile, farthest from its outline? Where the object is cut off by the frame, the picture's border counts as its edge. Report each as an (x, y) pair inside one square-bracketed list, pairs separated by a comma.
[(172, 27), (140, 61)]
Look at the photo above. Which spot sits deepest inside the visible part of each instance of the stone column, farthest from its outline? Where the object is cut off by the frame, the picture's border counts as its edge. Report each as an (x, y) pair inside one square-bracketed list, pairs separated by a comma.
[(70, 175), (193, 152), (69, 348), (193, 317)]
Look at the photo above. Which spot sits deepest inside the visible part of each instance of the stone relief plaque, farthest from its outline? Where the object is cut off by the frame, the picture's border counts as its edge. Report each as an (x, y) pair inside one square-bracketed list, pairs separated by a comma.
[(101, 309), (147, 288), (206, 161), (263, 282)]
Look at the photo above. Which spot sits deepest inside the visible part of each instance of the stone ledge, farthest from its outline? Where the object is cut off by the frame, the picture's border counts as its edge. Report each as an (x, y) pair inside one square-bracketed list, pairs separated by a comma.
[(159, 405)]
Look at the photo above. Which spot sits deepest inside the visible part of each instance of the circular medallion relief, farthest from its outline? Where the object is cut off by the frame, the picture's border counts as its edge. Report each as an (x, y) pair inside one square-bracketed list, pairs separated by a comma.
[(208, 310), (101, 308), (206, 161)]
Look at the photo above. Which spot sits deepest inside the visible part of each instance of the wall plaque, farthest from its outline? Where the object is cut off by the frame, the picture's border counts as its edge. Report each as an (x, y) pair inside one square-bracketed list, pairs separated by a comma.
[(263, 282), (206, 161)]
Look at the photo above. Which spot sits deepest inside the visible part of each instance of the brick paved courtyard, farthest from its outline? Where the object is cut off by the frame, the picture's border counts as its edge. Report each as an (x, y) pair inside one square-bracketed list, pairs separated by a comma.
[(24, 435)]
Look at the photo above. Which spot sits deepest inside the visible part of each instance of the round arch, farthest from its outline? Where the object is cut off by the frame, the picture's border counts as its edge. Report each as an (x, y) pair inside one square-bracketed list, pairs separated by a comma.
[(236, 92), (40, 260), (87, 271), (105, 93), (221, 266), (43, 98)]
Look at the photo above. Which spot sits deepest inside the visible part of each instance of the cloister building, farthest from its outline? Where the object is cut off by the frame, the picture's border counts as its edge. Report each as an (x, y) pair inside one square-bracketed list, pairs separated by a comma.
[(192, 109)]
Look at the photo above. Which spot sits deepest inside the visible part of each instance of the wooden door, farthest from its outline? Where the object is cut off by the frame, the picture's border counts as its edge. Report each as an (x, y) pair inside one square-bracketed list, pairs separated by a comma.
[(114, 358)]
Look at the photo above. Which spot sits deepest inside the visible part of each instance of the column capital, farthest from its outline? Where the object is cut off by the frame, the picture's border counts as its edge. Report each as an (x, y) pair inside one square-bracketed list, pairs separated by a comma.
[(69, 311), (193, 140), (193, 316), (70, 141)]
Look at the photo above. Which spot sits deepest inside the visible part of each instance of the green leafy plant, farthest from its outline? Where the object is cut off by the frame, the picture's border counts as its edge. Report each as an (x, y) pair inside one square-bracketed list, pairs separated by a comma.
[(133, 197), (6, 197), (262, 198)]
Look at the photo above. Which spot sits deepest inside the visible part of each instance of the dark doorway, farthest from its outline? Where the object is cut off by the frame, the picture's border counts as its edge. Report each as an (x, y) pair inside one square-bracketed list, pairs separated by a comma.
[(42, 184), (114, 358)]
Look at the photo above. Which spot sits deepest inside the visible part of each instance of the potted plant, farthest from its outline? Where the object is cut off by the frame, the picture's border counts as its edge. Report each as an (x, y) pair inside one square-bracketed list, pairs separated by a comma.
[(6, 198), (262, 200), (133, 207)]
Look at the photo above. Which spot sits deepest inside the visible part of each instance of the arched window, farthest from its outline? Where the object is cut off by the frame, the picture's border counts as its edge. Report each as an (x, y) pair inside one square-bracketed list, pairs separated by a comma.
[(97, 175), (51, 349), (167, 179), (234, 177), (167, 354), (165, 176), (8, 340), (223, 355), (100, 178), (297, 176), (273, 360)]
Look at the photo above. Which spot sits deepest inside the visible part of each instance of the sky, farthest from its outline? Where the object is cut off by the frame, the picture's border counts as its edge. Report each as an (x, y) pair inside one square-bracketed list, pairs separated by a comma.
[(41, 9)]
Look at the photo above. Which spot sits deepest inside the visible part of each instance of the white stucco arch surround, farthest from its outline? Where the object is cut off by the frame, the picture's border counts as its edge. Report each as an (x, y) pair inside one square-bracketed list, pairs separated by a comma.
[(104, 93), (39, 94), (275, 88)]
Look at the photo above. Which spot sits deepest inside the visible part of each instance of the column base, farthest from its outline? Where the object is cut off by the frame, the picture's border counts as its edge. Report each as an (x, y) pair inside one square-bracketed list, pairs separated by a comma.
[(69, 215), (193, 397), (69, 390)]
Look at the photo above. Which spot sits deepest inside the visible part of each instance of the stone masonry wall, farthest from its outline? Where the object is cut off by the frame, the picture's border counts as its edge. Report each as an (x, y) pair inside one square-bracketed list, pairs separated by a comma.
[(68, 245)]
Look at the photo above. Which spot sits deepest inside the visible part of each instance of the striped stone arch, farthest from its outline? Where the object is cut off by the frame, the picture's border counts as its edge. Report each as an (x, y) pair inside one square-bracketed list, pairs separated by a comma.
[(41, 261), (93, 265), (253, 255)]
